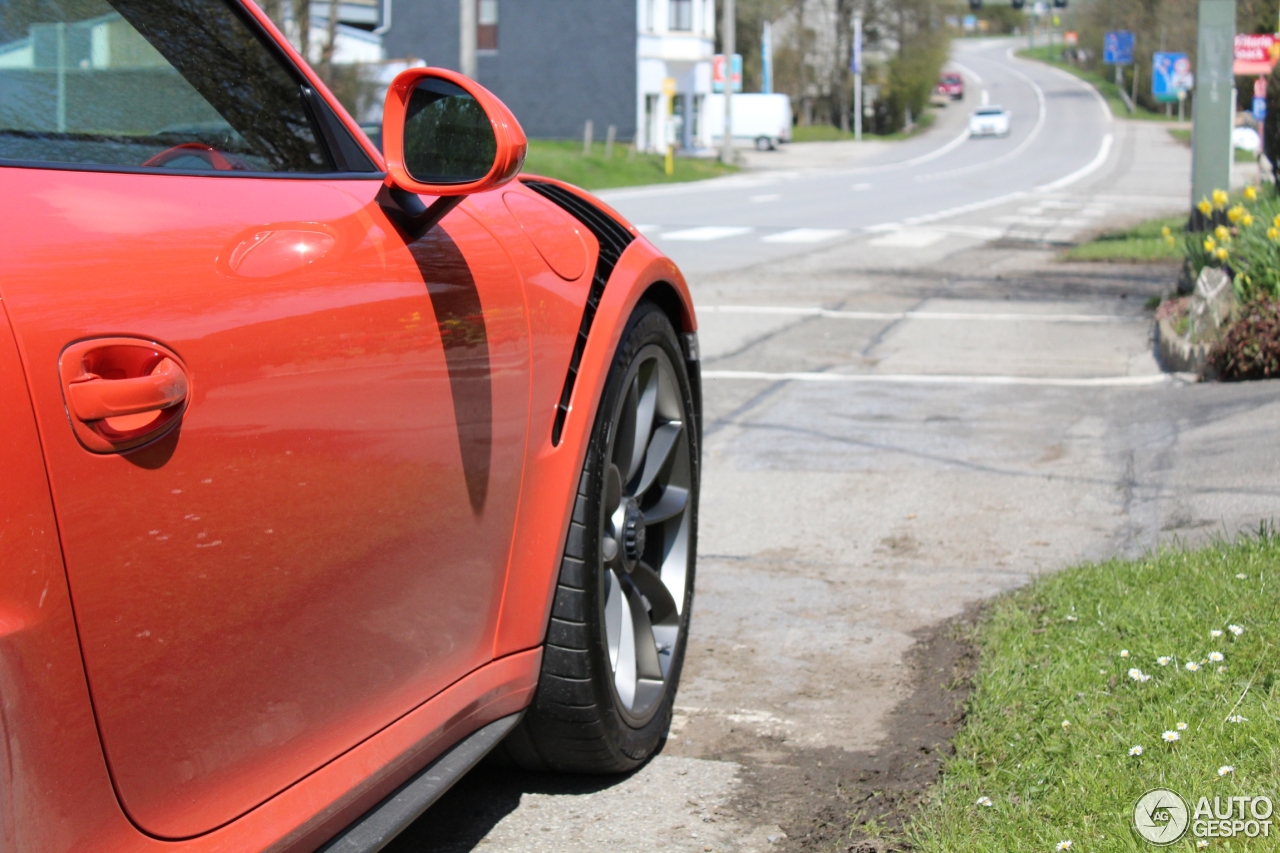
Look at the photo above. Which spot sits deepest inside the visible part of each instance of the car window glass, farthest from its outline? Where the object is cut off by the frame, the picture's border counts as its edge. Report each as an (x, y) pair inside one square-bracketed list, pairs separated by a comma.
[(163, 84)]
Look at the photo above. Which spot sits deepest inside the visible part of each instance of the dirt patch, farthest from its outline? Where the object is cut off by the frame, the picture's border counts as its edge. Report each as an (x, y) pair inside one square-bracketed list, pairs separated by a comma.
[(858, 802)]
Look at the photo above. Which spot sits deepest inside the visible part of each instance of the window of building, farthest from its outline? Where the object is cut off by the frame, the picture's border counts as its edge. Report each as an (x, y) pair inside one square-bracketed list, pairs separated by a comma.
[(680, 15), (650, 11), (487, 25), (650, 122)]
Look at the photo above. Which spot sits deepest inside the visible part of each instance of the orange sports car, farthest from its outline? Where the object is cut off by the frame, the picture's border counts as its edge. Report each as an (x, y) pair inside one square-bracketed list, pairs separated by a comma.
[(326, 469)]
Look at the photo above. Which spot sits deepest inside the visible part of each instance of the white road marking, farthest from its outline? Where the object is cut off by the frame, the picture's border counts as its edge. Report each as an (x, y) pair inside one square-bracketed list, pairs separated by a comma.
[(986, 98), (762, 198), (1098, 162), (883, 228), (858, 188), (967, 208), (964, 69), (648, 229), (706, 233), (953, 379), (909, 238), (806, 235), (948, 316)]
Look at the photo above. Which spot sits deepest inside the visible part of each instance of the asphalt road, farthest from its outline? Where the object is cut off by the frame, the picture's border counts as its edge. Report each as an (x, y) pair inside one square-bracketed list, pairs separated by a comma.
[(911, 406)]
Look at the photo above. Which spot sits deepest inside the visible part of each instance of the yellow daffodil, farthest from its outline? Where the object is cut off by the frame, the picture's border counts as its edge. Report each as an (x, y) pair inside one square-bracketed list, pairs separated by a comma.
[(1222, 233), (1206, 207), (1166, 231), (1246, 221), (1235, 214), (1251, 193), (1220, 199), (1210, 244), (1169, 239), (1221, 254), (1273, 233)]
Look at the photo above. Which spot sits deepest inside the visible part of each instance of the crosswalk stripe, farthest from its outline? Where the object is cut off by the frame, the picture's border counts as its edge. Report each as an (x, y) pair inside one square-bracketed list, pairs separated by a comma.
[(806, 235), (705, 234)]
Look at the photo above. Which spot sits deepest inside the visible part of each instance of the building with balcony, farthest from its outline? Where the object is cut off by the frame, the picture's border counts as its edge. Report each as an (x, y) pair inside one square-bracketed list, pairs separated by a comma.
[(561, 63)]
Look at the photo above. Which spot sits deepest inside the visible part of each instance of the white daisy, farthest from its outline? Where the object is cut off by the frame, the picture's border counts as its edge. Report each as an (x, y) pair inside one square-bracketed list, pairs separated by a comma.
[(1171, 736), (1242, 576), (1064, 845), (1066, 724), (1235, 629), (1135, 750), (1073, 618), (1182, 727), (1225, 769), (1221, 670), (1216, 657), (1136, 674), (1164, 660), (984, 801), (1237, 718), (1192, 666), (1124, 653), (1202, 843), (1215, 633)]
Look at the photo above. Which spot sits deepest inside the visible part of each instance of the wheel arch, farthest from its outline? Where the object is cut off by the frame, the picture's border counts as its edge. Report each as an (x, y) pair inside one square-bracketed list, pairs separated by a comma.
[(642, 272)]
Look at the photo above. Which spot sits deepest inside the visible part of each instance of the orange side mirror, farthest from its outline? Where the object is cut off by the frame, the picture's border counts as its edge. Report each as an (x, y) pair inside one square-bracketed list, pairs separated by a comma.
[(446, 135)]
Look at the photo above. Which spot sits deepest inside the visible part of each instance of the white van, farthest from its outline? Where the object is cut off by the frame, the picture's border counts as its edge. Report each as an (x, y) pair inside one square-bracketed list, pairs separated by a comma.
[(761, 120)]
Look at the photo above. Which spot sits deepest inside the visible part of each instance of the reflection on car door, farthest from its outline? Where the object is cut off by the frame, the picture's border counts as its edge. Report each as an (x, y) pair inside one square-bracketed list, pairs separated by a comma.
[(320, 544)]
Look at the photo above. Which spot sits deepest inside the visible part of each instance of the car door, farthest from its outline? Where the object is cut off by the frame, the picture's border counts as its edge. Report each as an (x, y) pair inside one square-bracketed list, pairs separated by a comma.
[(284, 446)]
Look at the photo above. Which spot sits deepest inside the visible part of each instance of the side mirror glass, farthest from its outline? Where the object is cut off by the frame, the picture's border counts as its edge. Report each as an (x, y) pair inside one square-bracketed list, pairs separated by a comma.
[(446, 135)]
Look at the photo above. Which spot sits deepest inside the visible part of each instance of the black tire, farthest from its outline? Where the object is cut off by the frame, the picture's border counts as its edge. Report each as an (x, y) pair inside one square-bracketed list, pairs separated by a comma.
[(582, 719), (764, 143)]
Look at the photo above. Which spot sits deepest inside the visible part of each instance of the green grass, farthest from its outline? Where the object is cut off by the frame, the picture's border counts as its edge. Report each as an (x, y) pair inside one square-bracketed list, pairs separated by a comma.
[(1143, 243), (1103, 83), (1184, 136), (1053, 652), (564, 161), (830, 133)]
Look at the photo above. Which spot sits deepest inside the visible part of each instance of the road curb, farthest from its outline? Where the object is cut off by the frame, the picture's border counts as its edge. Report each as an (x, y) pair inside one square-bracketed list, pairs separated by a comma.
[(1176, 353)]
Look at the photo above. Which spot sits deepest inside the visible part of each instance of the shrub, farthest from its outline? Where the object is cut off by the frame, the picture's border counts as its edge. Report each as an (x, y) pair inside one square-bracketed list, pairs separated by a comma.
[(1251, 347), (1243, 240)]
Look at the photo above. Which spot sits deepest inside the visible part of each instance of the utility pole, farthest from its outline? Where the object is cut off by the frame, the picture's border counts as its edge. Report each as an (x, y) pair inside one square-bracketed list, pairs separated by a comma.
[(857, 75), (1213, 110), (468, 26), (730, 48)]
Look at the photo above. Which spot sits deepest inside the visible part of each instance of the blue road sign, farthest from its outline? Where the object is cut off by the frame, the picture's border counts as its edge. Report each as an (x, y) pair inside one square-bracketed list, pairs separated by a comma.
[(1170, 74), (1117, 48), (1259, 110)]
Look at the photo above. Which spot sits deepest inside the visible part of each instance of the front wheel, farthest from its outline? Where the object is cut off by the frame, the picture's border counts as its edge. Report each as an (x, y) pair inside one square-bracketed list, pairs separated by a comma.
[(620, 620)]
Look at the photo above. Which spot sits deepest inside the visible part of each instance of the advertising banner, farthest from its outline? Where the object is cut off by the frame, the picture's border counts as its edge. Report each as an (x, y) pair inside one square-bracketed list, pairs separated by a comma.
[(718, 73), (1255, 55), (1170, 74)]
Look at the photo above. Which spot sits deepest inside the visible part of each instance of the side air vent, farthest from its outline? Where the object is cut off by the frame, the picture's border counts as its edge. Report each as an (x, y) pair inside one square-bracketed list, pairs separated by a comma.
[(613, 239)]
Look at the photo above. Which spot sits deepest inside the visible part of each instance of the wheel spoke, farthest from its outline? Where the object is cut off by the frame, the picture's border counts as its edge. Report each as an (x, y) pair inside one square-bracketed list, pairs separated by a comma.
[(658, 453), (673, 501), (645, 647), (662, 606), (625, 669), (613, 616), (646, 405), (625, 431)]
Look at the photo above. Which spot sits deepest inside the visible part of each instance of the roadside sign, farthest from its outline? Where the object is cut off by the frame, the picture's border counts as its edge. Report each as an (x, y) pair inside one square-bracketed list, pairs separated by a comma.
[(1071, 38), (1170, 76), (1255, 55), (1117, 48), (1260, 109), (717, 73), (970, 23), (669, 86)]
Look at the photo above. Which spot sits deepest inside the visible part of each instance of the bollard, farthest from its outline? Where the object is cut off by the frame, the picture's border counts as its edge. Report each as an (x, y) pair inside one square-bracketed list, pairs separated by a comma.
[(609, 139), (586, 139)]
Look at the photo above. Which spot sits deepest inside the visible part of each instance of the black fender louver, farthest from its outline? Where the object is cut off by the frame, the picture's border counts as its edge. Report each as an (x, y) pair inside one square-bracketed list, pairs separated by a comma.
[(613, 239)]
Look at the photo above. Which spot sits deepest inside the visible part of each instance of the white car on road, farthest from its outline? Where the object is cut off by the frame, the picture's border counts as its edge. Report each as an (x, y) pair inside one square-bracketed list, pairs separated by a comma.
[(989, 121)]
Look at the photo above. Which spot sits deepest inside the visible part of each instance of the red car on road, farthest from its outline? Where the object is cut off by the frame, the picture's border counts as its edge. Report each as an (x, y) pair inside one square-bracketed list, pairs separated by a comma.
[(325, 470), (951, 86)]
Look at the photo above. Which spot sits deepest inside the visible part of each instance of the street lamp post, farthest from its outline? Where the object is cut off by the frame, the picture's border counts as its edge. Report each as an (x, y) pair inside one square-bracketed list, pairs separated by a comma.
[(468, 25), (730, 48)]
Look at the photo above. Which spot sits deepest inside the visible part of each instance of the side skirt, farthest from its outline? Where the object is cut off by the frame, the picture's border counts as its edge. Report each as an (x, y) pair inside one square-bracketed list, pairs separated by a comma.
[(382, 823)]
